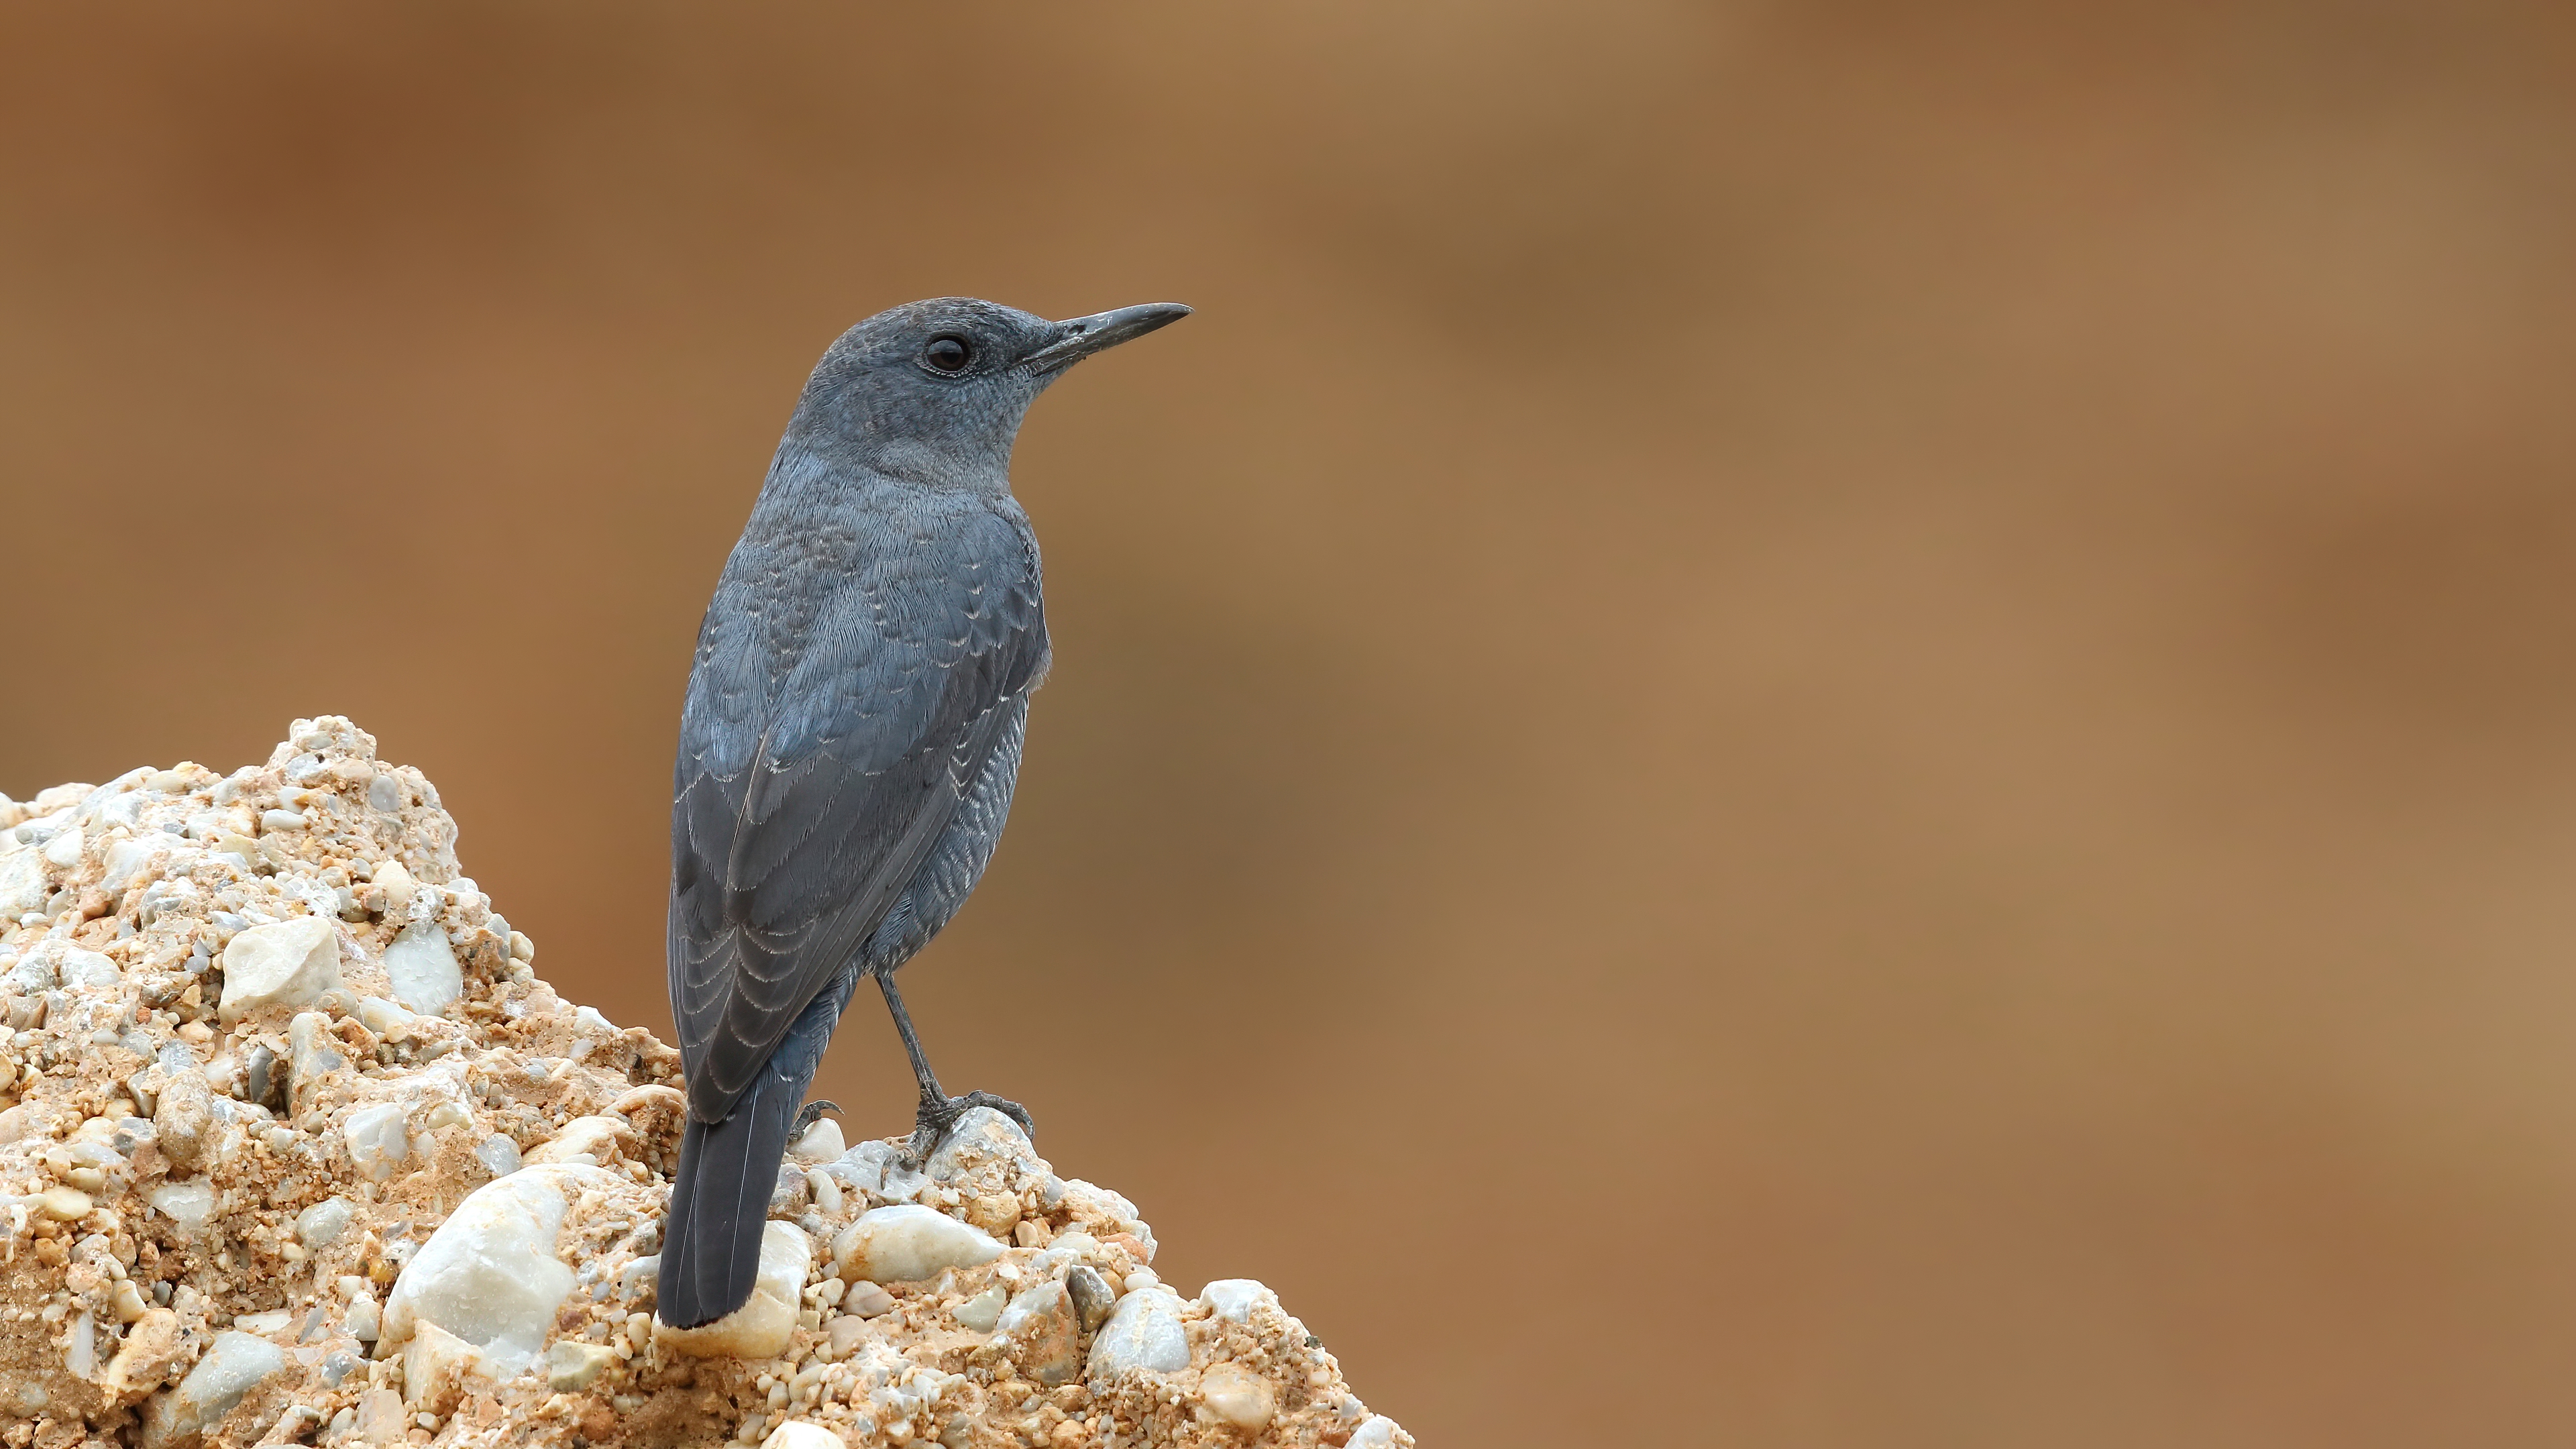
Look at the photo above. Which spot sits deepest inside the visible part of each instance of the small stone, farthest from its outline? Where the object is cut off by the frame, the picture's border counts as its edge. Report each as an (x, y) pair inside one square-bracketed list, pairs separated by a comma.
[(436, 1364), (380, 1417), (311, 1051), (997, 1213), (1234, 1299), (590, 1138), (825, 1188), (287, 965), (1091, 1296), (422, 966), (186, 1203), (181, 1117), (1377, 1431), (867, 1300), (384, 1018), (762, 1327), (844, 1332), (395, 882), (906, 1243), (320, 1225), (64, 1204), (378, 1139), (234, 1364), (1143, 1332), (1239, 1397), (490, 1274), (797, 1434), (985, 1152), (90, 969), (822, 1140), (1046, 1338), (262, 1082), (571, 1365), (498, 1154), (275, 820), (982, 1311), (152, 1350)]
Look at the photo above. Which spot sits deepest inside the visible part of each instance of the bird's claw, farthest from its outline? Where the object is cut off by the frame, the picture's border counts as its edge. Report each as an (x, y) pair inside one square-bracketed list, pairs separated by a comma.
[(938, 1117), (809, 1114)]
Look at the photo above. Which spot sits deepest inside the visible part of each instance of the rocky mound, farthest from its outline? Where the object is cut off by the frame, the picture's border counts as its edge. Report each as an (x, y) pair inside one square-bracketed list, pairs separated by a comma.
[(297, 1148)]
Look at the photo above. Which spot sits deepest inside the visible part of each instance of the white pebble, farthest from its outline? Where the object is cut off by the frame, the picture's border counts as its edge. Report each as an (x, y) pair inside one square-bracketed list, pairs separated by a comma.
[(422, 966), (797, 1434), (383, 1017), (498, 1154), (379, 1139), (1377, 1431), (186, 1203), (823, 1140), (396, 882), (1241, 1398), (571, 1365), (1233, 1299), (982, 1311), (490, 1274), (1144, 1332), (320, 1225), (907, 1243), (290, 964), (233, 1366)]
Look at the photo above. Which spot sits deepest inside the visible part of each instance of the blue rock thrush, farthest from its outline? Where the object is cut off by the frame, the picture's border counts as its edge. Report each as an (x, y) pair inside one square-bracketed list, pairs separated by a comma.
[(850, 739)]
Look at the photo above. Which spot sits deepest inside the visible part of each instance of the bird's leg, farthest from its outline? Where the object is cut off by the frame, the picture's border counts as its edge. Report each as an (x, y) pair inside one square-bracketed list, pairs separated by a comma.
[(939, 1111), (809, 1114)]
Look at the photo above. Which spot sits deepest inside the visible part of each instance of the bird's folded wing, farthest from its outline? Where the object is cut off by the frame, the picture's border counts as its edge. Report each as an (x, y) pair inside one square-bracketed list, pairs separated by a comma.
[(817, 769)]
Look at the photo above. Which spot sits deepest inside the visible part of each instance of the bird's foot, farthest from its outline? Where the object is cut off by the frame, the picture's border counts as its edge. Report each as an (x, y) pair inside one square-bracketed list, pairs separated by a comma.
[(809, 1114), (938, 1117)]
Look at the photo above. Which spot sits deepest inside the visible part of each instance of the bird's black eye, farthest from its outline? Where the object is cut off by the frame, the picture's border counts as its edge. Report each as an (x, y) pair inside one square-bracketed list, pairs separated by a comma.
[(947, 354)]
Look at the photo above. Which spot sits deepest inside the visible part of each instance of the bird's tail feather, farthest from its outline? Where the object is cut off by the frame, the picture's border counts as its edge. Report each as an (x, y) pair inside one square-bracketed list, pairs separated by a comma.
[(720, 1204)]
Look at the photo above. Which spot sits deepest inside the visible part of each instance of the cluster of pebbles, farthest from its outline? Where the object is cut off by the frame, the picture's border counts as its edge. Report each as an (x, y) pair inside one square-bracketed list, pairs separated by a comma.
[(296, 1148)]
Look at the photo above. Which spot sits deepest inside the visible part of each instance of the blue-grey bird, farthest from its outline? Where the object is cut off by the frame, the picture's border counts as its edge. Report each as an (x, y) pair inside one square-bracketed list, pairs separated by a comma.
[(850, 739)]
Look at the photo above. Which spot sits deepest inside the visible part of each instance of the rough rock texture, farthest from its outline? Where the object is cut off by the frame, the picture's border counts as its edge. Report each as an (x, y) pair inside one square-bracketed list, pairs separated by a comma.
[(296, 1148)]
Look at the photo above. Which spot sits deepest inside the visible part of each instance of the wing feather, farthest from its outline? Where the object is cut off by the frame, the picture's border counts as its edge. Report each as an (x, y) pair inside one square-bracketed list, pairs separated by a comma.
[(827, 739)]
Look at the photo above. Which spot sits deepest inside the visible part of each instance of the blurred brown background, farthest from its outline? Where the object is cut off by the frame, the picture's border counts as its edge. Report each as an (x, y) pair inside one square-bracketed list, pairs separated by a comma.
[(1792, 724)]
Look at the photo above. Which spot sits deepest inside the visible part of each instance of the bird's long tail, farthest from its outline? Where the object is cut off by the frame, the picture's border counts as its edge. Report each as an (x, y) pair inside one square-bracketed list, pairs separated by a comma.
[(720, 1203)]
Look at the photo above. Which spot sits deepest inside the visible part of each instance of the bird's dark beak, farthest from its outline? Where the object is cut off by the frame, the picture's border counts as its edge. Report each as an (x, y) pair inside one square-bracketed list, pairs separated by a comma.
[(1082, 336)]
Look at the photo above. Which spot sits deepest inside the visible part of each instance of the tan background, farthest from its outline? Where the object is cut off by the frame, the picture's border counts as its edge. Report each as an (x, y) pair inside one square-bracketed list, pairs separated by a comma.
[(1792, 724)]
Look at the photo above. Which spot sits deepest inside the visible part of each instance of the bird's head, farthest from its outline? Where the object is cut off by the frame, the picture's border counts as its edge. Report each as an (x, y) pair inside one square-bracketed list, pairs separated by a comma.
[(934, 391)]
